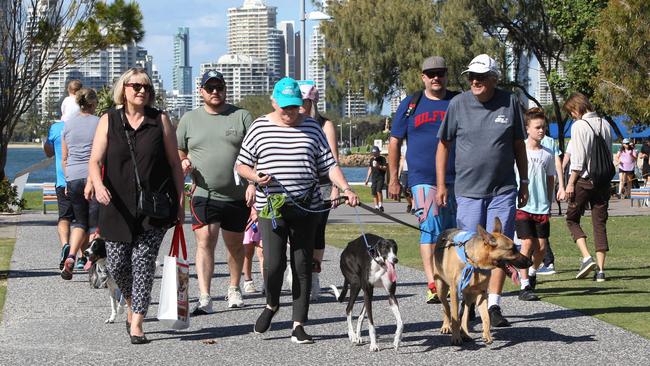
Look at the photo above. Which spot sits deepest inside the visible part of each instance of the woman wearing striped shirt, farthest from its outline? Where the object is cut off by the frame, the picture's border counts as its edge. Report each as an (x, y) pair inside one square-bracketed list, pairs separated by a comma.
[(285, 152)]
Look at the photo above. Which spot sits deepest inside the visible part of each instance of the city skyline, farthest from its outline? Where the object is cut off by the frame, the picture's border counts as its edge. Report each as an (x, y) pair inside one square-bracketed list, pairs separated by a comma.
[(208, 24)]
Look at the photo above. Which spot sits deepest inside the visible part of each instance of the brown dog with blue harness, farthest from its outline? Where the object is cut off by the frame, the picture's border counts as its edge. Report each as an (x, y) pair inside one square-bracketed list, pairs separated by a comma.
[(463, 262)]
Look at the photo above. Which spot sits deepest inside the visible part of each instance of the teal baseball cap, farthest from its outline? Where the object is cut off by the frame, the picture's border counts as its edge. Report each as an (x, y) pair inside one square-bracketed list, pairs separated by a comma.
[(286, 93)]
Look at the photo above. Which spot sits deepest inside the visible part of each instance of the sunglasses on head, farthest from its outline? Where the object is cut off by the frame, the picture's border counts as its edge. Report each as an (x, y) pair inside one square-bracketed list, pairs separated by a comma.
[(211, 88), (433, 73), (137, 87), (479, 77)]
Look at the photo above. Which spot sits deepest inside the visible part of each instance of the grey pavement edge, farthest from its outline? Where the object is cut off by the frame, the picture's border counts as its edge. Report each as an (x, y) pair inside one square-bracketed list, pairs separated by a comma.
[(48, 321)]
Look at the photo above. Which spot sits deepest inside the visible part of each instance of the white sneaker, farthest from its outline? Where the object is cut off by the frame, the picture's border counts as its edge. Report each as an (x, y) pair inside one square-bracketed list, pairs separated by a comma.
[(315, 287), (234, 297), (204, 306), (249, 287)]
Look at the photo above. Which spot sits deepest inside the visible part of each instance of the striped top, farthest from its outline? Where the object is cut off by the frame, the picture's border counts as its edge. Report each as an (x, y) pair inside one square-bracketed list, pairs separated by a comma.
[(295, 156)]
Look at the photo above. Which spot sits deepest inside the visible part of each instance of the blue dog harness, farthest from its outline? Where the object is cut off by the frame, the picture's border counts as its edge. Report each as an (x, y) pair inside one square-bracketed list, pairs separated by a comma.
[(460, 239)]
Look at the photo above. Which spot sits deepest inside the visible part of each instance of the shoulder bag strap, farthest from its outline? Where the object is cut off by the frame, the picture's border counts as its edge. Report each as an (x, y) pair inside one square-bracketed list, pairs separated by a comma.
[(128, 140), (413, 103)]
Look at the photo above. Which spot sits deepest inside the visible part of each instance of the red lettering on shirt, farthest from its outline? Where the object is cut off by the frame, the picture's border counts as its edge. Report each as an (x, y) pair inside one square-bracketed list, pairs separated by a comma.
[(429, 117)]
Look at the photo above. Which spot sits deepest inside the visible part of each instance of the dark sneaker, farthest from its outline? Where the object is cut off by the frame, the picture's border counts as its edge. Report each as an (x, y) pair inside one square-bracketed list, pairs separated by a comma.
[(381, 208), (586, 267), (533, 282), (263, 323), (496, 319), (408, 208), (68, 266), (299, 336), (81, 263), (65, 251), (599, 276), (527, 294)]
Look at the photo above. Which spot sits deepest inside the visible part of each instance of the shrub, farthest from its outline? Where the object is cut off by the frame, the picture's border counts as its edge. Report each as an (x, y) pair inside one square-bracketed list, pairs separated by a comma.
[(9, 197)]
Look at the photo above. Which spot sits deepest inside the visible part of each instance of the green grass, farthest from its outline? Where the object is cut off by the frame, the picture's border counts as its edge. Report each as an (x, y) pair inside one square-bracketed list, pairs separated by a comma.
[(34, 201), (6, 249), (623, 300)]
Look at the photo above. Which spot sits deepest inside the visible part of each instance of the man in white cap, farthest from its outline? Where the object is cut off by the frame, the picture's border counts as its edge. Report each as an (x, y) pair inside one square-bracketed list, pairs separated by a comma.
[(418, 119), (209, 139), (486, 124)]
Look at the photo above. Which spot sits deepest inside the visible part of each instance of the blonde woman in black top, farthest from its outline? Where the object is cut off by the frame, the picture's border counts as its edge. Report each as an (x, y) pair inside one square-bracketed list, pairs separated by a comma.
[(133, 240)]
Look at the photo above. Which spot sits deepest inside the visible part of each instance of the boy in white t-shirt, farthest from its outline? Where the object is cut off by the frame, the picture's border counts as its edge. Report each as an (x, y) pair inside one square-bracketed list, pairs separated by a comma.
[(532, 221), (69, 106)]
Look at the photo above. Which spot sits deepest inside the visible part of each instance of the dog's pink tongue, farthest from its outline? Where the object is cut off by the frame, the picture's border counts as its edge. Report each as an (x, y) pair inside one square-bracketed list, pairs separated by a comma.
[(392, 274)]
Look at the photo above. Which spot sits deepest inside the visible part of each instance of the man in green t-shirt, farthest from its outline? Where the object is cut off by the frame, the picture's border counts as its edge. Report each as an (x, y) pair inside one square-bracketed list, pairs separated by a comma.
[(209, 139)]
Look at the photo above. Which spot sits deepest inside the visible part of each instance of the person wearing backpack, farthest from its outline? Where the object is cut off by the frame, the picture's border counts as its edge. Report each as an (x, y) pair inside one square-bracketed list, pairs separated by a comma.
[(418, 119), (592, 169)]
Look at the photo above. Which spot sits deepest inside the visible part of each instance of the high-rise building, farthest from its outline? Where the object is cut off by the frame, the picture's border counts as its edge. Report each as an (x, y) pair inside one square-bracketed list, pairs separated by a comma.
[(97, 70), (354, 105), (244, 75), (252, 32), (539, 87), (395, 100), (316, 70), (296, 50), (288, 50), (182, 77)]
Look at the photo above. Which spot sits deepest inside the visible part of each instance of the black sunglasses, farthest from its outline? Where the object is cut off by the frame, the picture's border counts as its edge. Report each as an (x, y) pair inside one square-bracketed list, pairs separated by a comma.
[(211, 88), (433, 73), (479, 77), (137, 87)]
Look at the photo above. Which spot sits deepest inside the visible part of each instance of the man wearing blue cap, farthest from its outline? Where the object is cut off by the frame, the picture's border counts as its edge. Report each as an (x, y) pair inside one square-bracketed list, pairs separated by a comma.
[(209, 139)]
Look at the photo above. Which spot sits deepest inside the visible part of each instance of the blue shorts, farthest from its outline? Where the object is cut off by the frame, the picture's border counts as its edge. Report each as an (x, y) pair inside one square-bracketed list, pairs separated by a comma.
[(433, 225), (474, 211)]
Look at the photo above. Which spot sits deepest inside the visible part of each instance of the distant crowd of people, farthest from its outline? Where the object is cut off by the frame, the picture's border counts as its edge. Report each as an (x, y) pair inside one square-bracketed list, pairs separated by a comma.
[(267, 184)]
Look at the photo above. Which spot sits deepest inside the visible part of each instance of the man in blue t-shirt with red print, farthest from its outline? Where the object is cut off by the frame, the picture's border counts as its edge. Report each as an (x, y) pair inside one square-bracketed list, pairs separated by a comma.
[(418, 121)]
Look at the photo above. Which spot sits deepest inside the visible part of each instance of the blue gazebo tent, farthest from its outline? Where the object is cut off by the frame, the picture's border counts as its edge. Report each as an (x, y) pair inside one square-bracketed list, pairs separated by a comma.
[(637, 131)]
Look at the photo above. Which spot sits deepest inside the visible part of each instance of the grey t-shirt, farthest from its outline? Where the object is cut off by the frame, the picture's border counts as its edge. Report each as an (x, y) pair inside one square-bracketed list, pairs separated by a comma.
[(78, 134), (212, 142), (484, 134)]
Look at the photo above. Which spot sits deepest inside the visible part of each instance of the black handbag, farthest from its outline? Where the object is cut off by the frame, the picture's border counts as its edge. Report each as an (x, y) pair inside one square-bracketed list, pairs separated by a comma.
[(154, 204)]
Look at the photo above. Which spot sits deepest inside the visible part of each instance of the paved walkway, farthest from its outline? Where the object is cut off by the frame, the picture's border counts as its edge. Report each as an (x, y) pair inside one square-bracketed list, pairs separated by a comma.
[(49, 321)]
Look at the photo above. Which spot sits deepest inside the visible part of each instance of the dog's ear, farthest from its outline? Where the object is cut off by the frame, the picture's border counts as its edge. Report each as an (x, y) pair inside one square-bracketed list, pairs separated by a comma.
[(394, 245), (498, 228), (487, 238)]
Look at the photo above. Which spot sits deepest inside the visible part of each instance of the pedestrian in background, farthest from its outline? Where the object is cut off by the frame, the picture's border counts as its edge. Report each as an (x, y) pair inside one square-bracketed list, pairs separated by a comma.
[(581, 190)]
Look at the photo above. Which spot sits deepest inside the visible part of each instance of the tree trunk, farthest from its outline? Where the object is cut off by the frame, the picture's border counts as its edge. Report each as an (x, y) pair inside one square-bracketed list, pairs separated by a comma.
[(3, 157)]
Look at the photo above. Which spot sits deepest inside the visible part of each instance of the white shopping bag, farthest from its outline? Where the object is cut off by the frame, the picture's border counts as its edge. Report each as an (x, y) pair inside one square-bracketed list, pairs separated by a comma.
[(174, 307)]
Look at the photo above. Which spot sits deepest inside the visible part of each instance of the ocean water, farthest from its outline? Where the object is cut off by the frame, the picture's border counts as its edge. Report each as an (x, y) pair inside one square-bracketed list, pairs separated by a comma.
[(19, 158)]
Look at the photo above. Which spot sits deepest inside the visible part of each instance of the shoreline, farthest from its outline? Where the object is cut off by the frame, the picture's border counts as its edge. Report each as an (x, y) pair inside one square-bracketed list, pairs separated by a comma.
[(25, 145)]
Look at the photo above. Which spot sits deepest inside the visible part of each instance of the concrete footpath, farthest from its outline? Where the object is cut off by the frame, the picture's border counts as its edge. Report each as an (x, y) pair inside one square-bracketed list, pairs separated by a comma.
[(49, 321)]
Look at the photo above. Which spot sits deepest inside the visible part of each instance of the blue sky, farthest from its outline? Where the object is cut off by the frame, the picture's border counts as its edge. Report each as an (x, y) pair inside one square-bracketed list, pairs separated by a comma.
[(208, 25)]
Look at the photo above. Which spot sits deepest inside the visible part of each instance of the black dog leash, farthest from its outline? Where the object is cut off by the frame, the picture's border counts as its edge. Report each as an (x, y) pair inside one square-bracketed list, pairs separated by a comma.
[(389, 217)]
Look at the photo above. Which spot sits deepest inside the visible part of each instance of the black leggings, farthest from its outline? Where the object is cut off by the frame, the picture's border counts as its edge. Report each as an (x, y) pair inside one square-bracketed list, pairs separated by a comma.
[(300, 230)]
